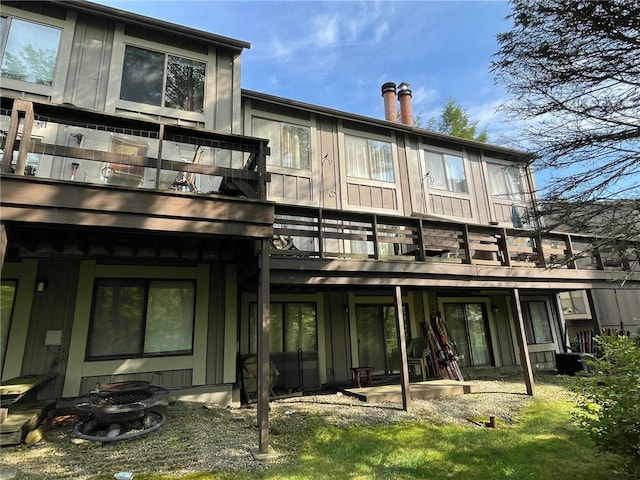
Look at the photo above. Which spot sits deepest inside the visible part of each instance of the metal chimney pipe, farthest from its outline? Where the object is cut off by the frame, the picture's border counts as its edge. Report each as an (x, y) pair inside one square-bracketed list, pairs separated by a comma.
[(389, 96), (406, 111)]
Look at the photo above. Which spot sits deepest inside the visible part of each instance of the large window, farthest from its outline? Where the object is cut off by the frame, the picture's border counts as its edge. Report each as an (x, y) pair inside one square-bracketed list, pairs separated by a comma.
[(575, 304), (164, 80), (505, 182), (292, 326), (29, 51), (7, 297), (536, 322), (445, 172), (467, 327), (290, 144), (369, 159), (137, 318)]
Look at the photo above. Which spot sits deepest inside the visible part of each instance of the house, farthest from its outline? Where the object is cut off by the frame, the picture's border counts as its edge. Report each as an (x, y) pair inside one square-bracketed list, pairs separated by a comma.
[(160, 223)]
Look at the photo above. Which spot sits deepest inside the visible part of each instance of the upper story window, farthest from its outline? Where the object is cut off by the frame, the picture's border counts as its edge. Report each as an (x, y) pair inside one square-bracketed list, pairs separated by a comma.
[(290, 144), (445, 171), (505, 182), (370, 159), (29, 51), (156, 78)]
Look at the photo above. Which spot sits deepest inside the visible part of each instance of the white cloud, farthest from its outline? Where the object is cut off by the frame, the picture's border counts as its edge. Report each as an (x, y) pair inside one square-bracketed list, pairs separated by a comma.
[(381, 31), (326, 31)]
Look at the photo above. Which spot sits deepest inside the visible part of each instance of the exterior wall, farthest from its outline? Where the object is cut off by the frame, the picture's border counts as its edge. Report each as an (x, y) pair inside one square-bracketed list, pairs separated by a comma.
[(615, 306)]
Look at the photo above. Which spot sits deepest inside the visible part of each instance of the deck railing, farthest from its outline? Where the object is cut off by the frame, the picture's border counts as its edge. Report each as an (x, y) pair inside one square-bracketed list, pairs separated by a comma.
[(322, 233), (70, 144)]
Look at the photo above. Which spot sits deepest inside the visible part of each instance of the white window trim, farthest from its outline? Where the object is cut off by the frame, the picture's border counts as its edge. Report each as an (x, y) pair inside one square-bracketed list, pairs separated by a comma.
[(55, 91), (120, 42), (577, 316), (498, 200)]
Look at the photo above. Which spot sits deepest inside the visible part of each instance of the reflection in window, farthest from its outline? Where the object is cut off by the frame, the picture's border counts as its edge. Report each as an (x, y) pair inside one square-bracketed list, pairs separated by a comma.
[(505, 182), (445, 172), (135, 318), (369, 159), (467, 327), (536, 322), (292, 326), (290, 144), (154, 78), (7, 296), (574, 304), (30, 51)]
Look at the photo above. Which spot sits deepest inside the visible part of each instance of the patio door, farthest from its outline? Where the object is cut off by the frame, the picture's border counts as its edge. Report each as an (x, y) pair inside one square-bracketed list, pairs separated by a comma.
[(377, 338), (467, 325)]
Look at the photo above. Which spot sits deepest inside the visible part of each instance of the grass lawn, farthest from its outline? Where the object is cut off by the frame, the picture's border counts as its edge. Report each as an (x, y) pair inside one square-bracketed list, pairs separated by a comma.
[(542, 444)]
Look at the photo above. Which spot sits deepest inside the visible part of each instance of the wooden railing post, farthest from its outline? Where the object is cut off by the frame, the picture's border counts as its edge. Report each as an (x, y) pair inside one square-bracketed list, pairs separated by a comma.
[(20, 108), (504, 247), (374, 230), (571, 263), (466, 245)]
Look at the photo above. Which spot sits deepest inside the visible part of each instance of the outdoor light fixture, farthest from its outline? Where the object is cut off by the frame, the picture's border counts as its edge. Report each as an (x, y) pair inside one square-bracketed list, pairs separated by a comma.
[(41, 285)]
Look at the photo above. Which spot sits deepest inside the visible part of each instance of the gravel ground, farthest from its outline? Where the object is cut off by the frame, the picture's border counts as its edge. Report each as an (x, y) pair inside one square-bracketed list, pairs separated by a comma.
[(203, 437)]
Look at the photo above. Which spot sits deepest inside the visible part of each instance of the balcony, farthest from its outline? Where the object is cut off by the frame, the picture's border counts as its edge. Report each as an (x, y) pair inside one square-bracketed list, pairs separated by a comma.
[(65, 165), (419, 246)]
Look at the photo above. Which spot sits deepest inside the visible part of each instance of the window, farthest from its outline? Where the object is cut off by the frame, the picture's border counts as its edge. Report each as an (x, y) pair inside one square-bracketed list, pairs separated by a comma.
[(292, 327), (469, 332), (505, 182), (29, 51), (137, 318), (575, 304), (7, 297), (369, 159), (158, 79), (290, 144), (445, 172), (536, 322)]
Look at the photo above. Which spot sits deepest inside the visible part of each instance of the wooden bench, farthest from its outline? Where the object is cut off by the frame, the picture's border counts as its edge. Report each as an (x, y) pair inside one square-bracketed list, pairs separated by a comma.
[(361, 375)]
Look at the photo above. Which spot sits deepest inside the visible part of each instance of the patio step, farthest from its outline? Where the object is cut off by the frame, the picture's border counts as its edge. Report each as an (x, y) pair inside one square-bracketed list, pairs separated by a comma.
[(428, 390)]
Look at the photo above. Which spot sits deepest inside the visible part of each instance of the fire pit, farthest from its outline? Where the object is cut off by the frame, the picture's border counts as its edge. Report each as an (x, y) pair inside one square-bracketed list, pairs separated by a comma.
[(119, 411)]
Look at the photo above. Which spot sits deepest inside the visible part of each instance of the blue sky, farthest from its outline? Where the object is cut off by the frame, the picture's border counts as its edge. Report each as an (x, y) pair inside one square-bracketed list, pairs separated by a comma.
[(338, 54)]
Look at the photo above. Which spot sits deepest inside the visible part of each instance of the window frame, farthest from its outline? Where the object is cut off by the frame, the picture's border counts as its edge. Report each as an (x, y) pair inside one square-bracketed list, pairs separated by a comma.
[(369, 179), (121, 41), (54, 91), (507, 197), (282, 121), (576, 316), (424, 168), (128, 282)]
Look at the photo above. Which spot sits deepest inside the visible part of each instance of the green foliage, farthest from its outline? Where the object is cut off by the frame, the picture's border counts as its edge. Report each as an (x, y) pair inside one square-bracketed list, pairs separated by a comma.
[(455, 121), (609, 406)]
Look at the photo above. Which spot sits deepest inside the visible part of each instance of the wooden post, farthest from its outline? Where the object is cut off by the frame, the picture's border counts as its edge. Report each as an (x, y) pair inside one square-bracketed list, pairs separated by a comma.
[(522, 342), (264, 370), (404, 367)]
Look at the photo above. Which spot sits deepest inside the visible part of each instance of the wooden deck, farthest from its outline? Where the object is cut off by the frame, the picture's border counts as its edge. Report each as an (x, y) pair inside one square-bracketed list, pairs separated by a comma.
[(419, 391)]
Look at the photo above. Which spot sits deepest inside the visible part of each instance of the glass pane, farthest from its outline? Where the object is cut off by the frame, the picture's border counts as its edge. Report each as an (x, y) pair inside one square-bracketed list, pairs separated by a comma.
[(276, 341), (456, 328), (30, 53), (185, 84), (117, 320), (381, 161), (142, 76), (370, 338), (480, 353), (540, 322), (7, 296), (435, 171), (357, 163), (170, 313), (456, 178), (505, 182), (300, 328), (391, 339), (270, 130), (296, 147)]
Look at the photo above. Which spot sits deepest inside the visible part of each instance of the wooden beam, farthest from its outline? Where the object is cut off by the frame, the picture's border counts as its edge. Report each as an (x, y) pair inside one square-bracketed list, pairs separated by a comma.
[(522, 342), (404, 367), (3, 243), (264, 373)]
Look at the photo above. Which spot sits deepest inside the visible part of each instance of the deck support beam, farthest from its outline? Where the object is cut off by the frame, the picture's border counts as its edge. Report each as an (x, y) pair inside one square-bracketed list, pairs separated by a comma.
[(264, 373), (404, 367), (525, 359)]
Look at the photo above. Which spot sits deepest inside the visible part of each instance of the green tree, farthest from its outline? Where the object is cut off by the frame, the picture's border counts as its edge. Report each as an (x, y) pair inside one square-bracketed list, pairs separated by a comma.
[(455, 121), (609, 397), (572, 72)]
